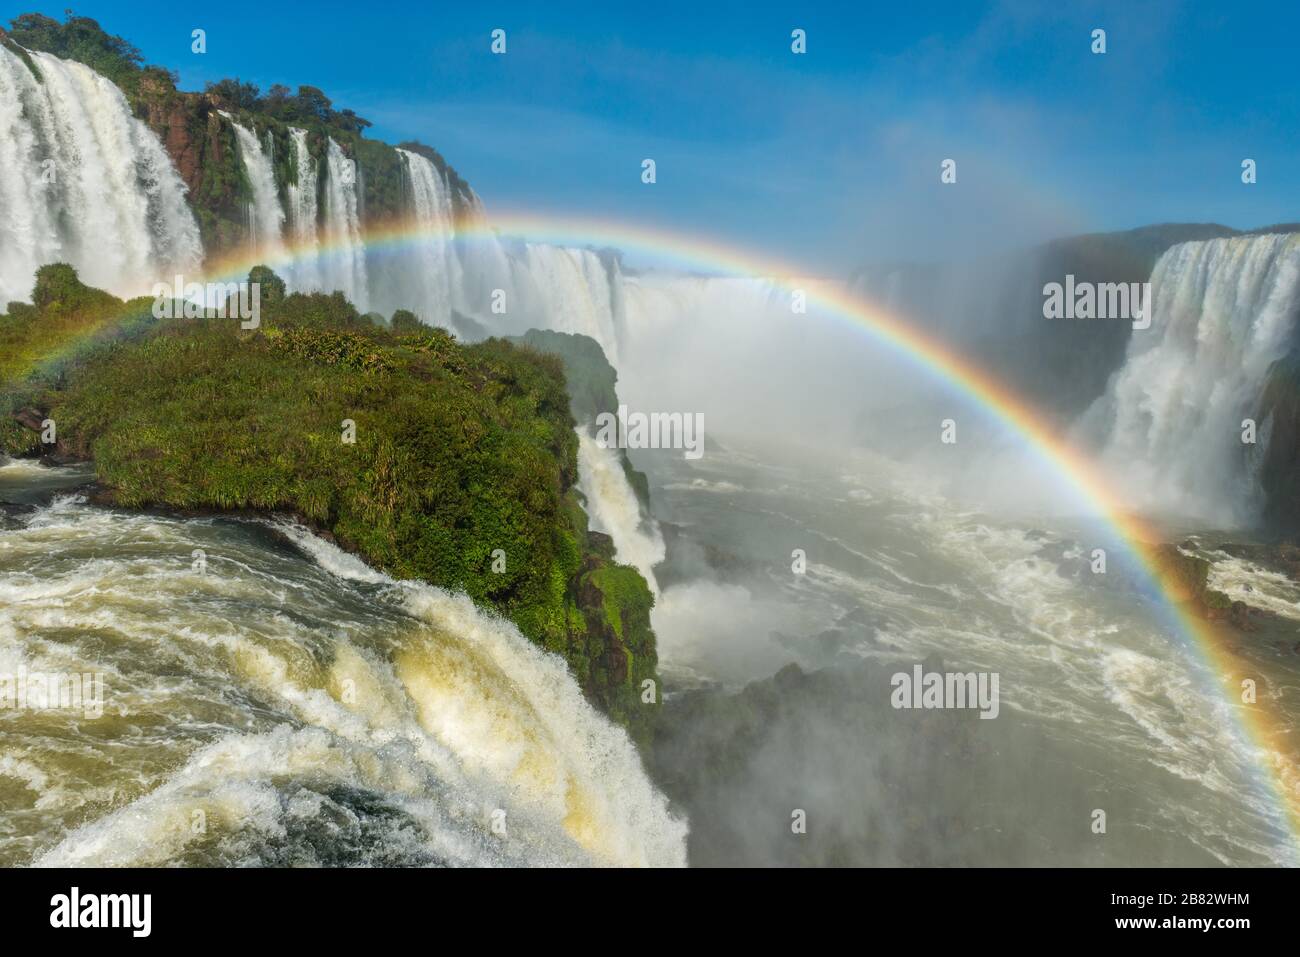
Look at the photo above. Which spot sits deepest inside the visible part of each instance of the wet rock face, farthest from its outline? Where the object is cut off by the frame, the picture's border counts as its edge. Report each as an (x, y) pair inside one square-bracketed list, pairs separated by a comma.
[(1186, 578), (171, 115), (1279, 468)]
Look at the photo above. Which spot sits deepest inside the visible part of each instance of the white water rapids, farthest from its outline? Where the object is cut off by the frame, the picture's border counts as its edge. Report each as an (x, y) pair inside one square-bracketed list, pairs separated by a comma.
[(312, 711)]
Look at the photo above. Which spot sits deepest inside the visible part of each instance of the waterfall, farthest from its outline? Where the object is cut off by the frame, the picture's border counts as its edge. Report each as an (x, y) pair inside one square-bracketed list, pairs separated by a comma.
[(485, 268), (312, 711), (614, 509), (85, 182), (540, 286), (302, 215), (569, 290), (344, 261), (1170, 423), (432, 270), (266, 233)]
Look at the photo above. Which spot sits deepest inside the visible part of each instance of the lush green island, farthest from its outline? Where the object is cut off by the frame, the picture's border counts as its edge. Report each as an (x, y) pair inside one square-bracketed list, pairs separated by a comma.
[(462, 472)]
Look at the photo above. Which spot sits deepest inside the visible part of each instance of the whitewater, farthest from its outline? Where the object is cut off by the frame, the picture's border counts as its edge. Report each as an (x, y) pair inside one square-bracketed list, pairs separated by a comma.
[(80, 168), (282, 703)]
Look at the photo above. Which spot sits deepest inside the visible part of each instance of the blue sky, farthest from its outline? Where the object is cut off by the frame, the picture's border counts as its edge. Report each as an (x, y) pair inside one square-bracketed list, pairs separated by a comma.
[(825, 159)]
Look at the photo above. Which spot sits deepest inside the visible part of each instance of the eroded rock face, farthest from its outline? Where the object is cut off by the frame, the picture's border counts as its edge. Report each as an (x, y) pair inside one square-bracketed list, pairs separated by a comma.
[(1279, 466), (171, 115)]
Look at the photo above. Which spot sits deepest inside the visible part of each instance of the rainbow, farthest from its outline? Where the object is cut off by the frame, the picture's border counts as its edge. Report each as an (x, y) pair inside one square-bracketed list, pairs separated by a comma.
[(1259, 733)]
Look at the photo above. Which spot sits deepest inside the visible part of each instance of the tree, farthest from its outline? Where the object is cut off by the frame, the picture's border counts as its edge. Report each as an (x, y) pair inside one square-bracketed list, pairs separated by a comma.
[(272, 286), (236, 94), (406, 321), (314, 104), (347, 120)]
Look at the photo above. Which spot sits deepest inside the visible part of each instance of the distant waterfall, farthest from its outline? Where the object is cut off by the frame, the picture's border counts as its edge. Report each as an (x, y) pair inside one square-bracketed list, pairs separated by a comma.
[(266, 215), (537, 286), (432, 269), (85, 182), (343, 265), (569, 290), (303, 215), (487, 271), (1170, 423), (615, 510)]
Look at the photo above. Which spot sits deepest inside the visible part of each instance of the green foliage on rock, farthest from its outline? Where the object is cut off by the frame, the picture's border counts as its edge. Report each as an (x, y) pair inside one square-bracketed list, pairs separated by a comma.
[(81, 39), (592, 380), (461, 453), (1278, 464), (406, 321), (62, 310), (592, 386)]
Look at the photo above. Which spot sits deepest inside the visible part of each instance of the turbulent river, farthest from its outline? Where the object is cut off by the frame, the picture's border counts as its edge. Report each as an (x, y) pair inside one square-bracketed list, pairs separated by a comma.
[(267, 699), (1100, 708)]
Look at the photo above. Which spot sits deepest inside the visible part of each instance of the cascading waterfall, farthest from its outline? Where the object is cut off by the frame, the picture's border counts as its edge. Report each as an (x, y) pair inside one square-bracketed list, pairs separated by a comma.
[(1171, 420), (343, 265), (615, 510), (302, 215), (434, 269), (85, 182), (485, 266), (541, 286), (316, 712), (266, 215), (569, 290)]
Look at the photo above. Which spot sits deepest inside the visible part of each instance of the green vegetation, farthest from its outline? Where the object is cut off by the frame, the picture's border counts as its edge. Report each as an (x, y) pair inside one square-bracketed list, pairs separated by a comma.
[(462, 454), (308, 105), (1278, 466), (40, 342), (406, 321), (592, 382), (82, 39), (591, 378)]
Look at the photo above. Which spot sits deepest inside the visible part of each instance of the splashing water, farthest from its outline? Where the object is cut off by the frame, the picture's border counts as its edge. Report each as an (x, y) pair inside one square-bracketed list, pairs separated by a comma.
[(80, 170), (616, 510), (266, 215), (284, 704), (1171, 419), (344, 268)]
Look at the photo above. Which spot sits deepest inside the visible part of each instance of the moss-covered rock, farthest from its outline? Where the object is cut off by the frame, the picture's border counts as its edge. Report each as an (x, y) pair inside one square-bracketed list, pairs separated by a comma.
[(592, 387), (1278, 466), (433, 460)]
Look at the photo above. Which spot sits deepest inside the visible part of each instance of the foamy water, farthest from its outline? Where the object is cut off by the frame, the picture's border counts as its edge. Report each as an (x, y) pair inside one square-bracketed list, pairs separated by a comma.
[(283, 703), (615, 510), (1085, 661)]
